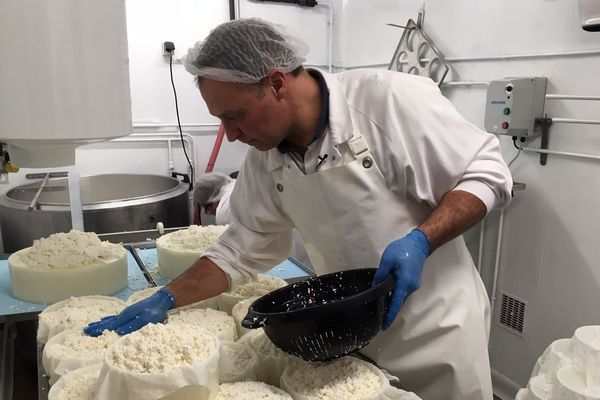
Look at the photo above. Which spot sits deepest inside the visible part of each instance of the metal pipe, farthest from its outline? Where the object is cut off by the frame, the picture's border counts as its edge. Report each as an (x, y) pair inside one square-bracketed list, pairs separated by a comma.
[(171, 166), (231, 10), (75, 203), (570, 97), (330, 56), (575, 121), (480, 254), (142, 266), (156, 137), (523, 56), (39, 192), (152, 137), (548, 96), (172, 229), (464, 84), (561, 153), (187, 138), (133, 140), (497, 261)]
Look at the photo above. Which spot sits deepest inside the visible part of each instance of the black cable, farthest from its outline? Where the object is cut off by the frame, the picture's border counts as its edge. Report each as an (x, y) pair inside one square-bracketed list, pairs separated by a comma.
[(514, 139), (179, 125)]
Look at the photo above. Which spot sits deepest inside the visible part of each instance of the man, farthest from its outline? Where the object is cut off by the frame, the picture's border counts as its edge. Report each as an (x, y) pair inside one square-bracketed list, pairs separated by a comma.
[(372, 167)]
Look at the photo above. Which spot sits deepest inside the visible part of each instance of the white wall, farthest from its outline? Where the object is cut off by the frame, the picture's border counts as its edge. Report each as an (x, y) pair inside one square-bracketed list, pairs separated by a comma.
[(550, 257)]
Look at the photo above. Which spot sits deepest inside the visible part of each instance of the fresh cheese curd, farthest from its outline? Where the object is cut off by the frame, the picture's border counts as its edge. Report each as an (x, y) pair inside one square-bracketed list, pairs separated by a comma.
[(75, 313), (250, 391), (70, 250), (173, 361), (217, 322), (159, 348), (76, 344), (178, 250), (260, 286), (80, 384), (67, 264), (73, 349), (347, 378)]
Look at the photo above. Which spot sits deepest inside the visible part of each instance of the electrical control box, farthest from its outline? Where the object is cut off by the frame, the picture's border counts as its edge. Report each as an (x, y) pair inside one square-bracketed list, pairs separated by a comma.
[(513, 105)]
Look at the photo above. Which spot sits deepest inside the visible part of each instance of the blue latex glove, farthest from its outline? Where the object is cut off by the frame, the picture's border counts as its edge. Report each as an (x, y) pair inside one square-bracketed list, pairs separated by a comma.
[(151, 310), (405, 259)]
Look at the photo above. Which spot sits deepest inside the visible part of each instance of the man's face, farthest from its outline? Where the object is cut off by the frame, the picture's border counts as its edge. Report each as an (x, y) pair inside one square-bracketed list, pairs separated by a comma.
[(259, 120)]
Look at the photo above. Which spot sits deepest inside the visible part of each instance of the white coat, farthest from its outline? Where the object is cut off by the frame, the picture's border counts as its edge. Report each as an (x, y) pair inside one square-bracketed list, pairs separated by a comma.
[(395, 146), (223, 217), (223, 214)]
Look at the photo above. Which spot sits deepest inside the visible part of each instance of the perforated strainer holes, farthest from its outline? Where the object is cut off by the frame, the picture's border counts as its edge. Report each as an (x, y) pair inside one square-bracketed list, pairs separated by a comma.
[(402, 62), (411, 36), (436, 70), (423, 54)]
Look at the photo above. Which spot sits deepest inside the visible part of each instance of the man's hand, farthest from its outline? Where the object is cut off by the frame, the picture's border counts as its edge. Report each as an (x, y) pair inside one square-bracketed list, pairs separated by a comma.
[(405, 259), (151, 310)]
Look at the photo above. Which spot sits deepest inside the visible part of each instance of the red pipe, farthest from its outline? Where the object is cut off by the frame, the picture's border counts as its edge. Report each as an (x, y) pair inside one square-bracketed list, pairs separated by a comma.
[(217, 147), (209, 167)]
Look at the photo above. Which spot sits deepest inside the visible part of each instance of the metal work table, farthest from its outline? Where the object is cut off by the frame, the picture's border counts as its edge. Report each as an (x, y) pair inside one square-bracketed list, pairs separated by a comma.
[(142, 273)]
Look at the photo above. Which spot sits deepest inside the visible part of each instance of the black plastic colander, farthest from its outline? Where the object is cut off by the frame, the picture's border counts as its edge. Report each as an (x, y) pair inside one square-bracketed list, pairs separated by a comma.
[(324, 317)]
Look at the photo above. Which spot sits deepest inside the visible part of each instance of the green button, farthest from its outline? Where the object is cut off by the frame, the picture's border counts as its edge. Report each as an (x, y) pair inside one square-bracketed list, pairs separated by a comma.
[(506, 111)]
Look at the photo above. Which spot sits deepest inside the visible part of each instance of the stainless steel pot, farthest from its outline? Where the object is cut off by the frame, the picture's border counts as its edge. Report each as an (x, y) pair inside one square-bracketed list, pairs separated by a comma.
[(111, 203)]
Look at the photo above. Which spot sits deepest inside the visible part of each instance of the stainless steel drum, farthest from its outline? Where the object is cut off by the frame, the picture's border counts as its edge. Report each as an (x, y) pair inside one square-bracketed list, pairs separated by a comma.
[(111, 203)]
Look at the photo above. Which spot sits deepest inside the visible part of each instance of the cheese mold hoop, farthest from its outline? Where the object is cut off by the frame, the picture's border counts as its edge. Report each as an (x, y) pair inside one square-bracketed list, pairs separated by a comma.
[(571, 384), (75, 313), (79, 384), (178, 250), (250, 391), (237, 363), (217, 322), (585, 347), (161, 360), (67, 264), (239, 312), (73, 349), (260, 286), (271, 360), (143, 294), (346, 378)]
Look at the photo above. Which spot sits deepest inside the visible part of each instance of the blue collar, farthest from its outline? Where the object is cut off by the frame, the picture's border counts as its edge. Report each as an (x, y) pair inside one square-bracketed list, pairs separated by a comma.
[(284, 147)]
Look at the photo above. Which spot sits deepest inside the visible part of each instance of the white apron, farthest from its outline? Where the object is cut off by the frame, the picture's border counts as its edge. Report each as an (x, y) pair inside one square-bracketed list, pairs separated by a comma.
[(346, 216)]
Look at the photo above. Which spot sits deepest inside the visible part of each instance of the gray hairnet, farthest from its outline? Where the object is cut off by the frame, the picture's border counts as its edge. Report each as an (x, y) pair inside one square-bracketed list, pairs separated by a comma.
[(245, 51), (209, 187)]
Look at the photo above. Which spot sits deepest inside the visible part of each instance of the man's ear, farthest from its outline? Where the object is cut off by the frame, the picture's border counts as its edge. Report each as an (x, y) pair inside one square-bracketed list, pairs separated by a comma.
[(277, 83)]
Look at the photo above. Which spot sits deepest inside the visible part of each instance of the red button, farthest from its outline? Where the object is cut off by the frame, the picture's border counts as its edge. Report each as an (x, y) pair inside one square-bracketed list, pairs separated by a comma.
[(505, 125)]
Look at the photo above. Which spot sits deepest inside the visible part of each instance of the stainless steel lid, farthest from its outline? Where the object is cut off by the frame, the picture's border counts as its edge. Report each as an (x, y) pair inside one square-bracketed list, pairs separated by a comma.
[(98, 189)]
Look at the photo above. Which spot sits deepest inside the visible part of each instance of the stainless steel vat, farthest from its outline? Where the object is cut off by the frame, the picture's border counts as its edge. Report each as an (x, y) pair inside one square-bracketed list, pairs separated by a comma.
[(111, 203)]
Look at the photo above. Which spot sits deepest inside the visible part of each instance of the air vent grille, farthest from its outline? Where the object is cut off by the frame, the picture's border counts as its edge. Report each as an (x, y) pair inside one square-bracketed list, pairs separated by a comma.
[(512, 314)]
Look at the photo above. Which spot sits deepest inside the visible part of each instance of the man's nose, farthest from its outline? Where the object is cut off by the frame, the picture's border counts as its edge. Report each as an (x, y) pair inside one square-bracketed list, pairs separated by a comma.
[(232, 132)]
